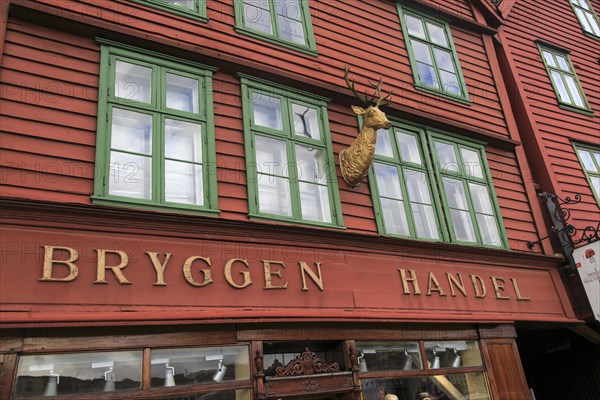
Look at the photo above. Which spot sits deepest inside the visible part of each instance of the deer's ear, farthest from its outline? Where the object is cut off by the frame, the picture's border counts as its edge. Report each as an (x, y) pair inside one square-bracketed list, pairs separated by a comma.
[(358, 110)]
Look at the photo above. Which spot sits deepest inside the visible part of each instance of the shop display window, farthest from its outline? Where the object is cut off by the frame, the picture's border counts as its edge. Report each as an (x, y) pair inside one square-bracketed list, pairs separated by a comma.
[(383, 356)]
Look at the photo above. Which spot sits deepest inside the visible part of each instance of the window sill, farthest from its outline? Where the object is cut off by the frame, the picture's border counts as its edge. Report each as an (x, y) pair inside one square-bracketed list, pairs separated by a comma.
[(583, 111), (274, 40), (283, 220), (443, 95), (170, 208), (173, 9)]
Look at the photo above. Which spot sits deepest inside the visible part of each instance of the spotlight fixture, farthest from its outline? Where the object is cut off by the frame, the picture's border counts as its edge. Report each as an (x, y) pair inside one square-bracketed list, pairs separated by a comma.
[(52, 385), (362, 363), (220, 374), (109, 378), (407, 361), (169, 375), (435, 364), (457, 359)]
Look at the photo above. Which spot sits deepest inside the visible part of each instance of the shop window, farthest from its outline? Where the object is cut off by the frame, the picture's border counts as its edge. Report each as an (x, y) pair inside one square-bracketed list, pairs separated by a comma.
[(432, 54), (155, 146), (283, 22), (291, 174), (452, 370), (587, 17), (413, 196), (590, 160), (195, 9), (564, 79), (215, 372)]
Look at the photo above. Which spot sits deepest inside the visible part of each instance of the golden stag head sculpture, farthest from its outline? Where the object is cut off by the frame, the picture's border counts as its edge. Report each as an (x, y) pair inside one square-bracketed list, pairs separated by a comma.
[(356, 159)]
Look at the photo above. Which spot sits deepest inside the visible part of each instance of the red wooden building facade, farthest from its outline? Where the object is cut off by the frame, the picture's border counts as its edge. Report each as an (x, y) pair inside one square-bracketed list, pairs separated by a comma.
[(175, 223)]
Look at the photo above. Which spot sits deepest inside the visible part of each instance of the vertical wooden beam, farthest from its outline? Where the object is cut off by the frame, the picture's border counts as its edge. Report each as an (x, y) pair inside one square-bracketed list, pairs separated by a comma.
[(8, 369), (146, 369), (505, 372)]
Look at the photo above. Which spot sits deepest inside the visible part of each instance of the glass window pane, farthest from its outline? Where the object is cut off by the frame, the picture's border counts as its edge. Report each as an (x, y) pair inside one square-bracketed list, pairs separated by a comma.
[(388, 181), (562, 63), (183, 140), (271, 156), (446, 156), (463, 226), (593, 24), (455, 193), (58, 374), (289, 8), (314, 200), (130, 175), (549, 58), (257, 18), (444, 60), (394, 217), (586, 159), (453, 354), (306, 121), (415, 26), (310, 163), (409, 148), (418, 186), (481, 199), (183, 183), (131, 131), (267, 111), (421, 52), (425, 224), (489, 230), (290, 29), (388, 356), (450, 83), (596, 184), (178, 367), (383, 145), (274, 195), (471, 163), (560, 87), (133, 82), (461, 386), (189, 4), (583, 20), (574, 90), (437, 34), (597, 157), (182, 93), (427, 75)]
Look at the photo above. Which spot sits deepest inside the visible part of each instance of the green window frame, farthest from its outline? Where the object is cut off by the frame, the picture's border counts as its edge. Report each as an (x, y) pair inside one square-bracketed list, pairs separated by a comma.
[(195, 9), (432, 54), (289, 157), (467, 191), (406, 202), (564, 80), (589, 158), (282, 22), (155, 141), (429, 185), (587, 17)]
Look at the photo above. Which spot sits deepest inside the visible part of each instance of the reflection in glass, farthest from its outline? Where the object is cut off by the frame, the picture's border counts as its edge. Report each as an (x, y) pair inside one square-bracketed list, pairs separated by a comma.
[(388, 356), (271, 156), (415, 26), (274, 195), (182, 93), (383, 145), (471, 163), (453, 354), (310, 163), (587, 161), (177, 367), (291, 30), (437, 34), (189, 4), (409, 149), (267, 111), (306, 122), (51, 375), (446, 156), (131, 131), (257, 18), (549, 58), (130, 175), (314, 200), (132, 82)]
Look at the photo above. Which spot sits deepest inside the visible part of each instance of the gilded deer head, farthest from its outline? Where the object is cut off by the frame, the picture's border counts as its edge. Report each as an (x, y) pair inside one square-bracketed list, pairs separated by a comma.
[(356, 159)]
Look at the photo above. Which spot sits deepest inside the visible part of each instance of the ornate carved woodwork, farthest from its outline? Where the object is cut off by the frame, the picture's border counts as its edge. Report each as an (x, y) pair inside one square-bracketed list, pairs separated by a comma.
[(307, 363)]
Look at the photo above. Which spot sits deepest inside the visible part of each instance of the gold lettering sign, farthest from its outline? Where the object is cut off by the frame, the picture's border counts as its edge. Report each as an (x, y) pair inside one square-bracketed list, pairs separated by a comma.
[(49, 262), (116, 270)]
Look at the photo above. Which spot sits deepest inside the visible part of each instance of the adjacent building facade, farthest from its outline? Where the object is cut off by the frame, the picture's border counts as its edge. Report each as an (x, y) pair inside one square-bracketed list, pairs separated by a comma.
[(175, 224)]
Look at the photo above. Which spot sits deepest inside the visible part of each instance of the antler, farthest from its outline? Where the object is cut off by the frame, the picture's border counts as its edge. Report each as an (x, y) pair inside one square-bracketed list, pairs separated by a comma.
[(381, 101)]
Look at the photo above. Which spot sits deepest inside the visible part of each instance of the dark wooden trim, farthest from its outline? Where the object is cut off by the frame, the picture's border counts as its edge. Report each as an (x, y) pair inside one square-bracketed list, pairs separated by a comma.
[(8, 369), (146, 369), (504, 331), (505, 370)]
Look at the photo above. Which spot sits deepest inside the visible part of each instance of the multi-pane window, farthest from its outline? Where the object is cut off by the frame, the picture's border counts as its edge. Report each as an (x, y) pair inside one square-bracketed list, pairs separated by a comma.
[(467, 191), (405, 198), (586, 16), (155, 141), (590, 160), (405, 188), (284, 22), (563, 78), (432, 54), (288, 150), (190, 8)]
